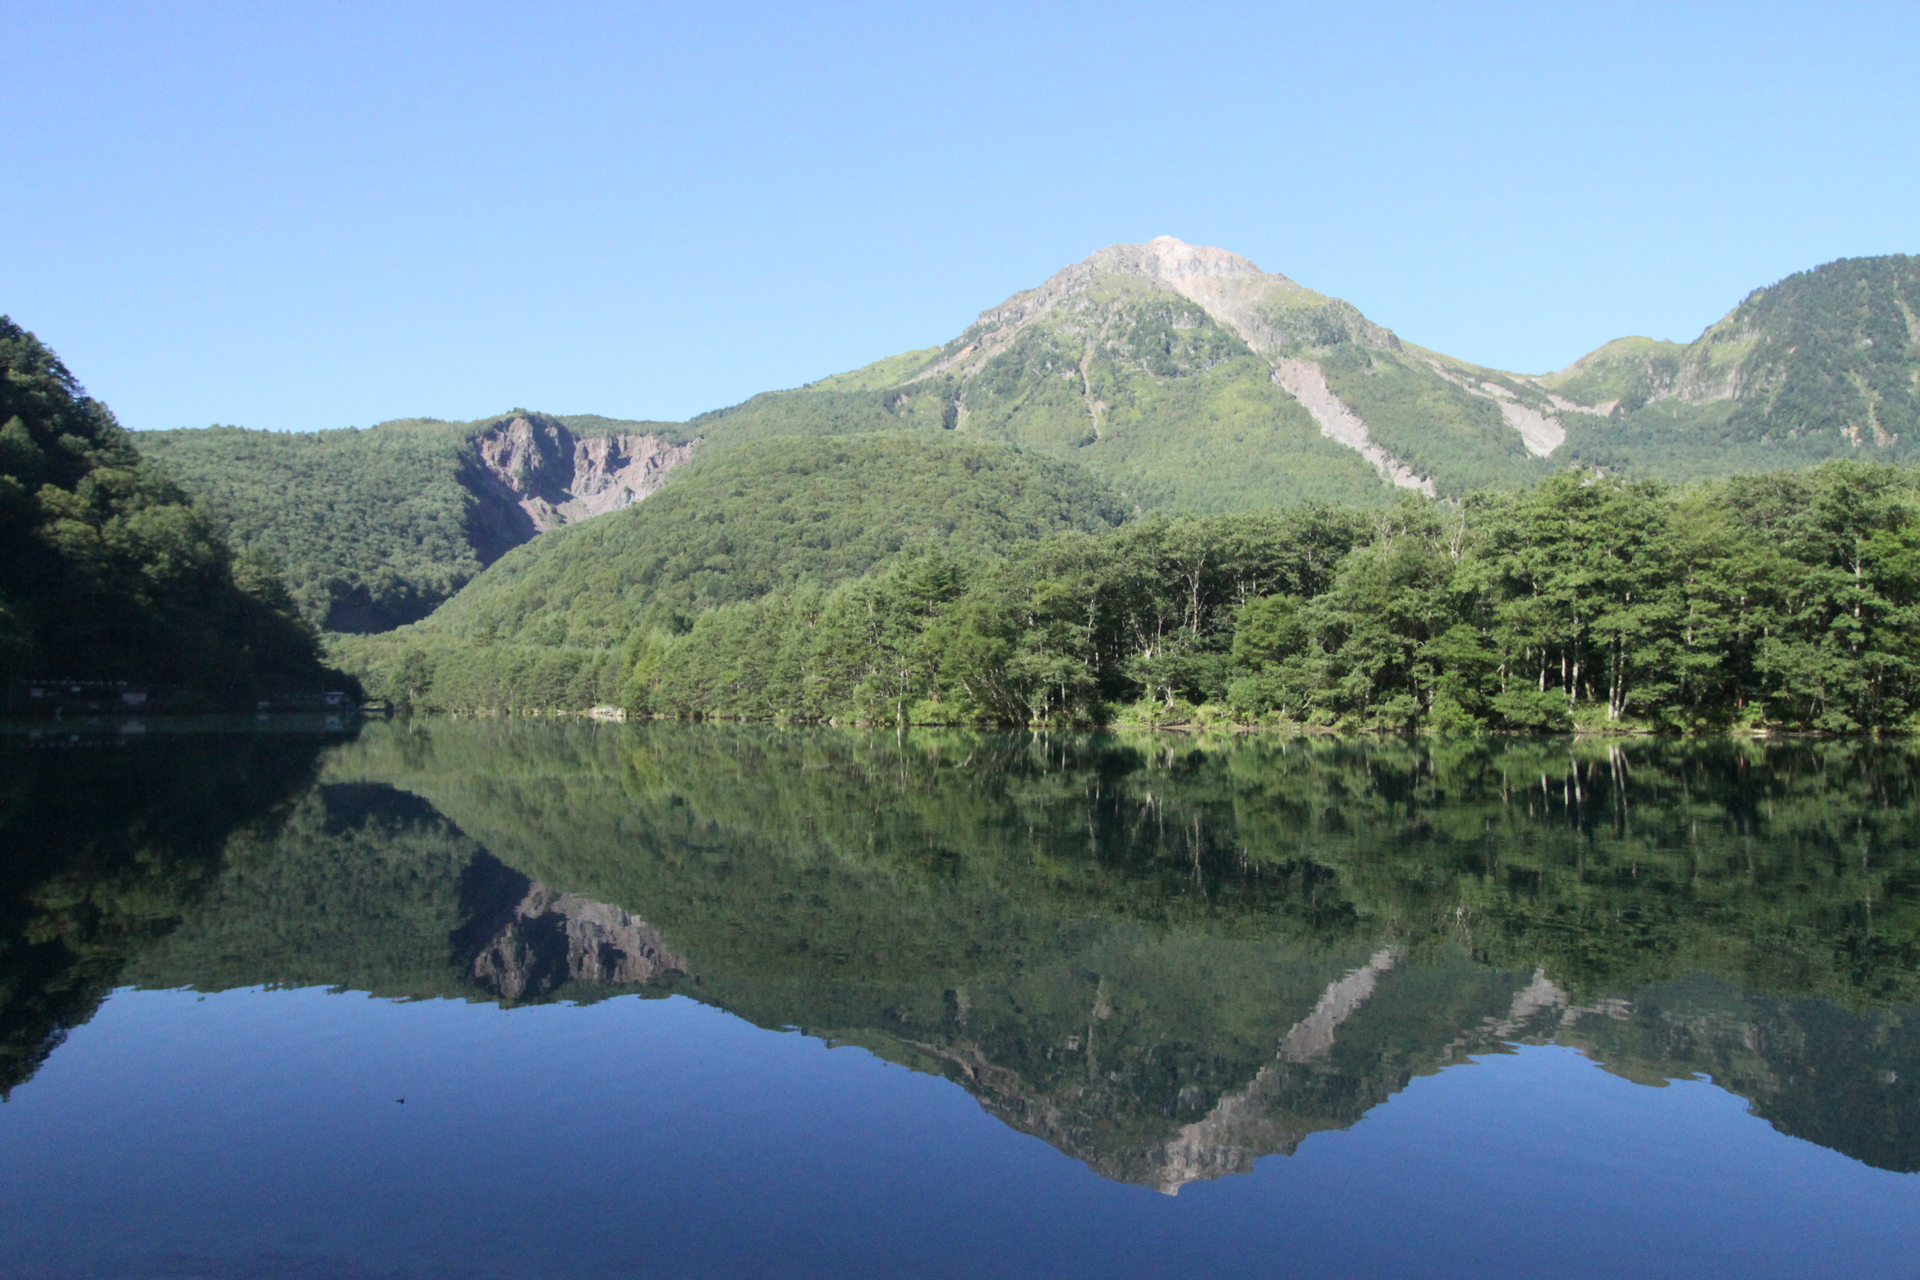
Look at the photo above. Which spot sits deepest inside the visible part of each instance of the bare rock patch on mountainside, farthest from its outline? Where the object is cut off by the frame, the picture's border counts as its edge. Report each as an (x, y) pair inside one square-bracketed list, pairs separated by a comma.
[(1541, 433), (558, 478), (1304, 381)]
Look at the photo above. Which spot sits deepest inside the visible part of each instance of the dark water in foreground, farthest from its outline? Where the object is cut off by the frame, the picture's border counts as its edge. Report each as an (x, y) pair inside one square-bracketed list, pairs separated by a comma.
[(669, 1000)]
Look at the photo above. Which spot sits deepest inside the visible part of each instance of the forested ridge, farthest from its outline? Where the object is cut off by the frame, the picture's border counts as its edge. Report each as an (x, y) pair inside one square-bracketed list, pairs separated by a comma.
[(1182, 402), (546, 626), (110, 573), (1819, 365), (943, 536), (371, 528), (1785, 600), (768, 516), (379, 517)]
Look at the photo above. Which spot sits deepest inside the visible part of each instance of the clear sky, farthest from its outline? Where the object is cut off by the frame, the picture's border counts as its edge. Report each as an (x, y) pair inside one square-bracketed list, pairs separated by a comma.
[(299, 216)]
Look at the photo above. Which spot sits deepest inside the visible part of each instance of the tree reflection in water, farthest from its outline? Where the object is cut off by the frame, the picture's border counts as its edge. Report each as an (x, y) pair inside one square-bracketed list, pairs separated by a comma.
[(1166, 957)]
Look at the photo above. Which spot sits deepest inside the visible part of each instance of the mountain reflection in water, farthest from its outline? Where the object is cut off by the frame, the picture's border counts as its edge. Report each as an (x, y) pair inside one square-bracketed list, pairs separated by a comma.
[(1165, 957)]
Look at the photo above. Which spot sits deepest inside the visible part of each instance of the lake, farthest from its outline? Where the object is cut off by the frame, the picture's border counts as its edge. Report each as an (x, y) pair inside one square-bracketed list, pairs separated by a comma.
[(524, 998)]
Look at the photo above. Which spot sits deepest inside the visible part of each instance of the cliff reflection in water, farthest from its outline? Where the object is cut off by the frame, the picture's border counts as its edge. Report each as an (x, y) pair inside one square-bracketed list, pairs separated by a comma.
[(1166, 958)]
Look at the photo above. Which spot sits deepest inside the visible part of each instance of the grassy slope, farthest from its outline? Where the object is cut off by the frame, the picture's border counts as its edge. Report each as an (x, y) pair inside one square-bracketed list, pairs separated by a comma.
[(1620, 371), (879, 375)]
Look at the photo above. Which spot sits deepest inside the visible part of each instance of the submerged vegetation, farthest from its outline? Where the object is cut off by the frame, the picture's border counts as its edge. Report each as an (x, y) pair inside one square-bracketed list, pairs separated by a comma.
[(1786, 599)]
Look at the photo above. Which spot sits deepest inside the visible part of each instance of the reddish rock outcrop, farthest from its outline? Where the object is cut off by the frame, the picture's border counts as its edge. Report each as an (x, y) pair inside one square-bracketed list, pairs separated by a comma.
[(556, 477)]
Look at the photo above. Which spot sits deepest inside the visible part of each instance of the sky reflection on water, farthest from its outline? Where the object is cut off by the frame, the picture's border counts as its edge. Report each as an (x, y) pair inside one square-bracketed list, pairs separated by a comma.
[(1361, 1006), (249, 1130)]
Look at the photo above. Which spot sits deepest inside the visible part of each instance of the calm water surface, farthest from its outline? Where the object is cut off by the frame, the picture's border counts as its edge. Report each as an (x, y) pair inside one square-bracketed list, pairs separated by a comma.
[(523, 999)]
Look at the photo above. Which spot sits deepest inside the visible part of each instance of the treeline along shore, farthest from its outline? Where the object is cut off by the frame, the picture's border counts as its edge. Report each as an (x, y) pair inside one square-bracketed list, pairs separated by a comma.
[(1783, 600)]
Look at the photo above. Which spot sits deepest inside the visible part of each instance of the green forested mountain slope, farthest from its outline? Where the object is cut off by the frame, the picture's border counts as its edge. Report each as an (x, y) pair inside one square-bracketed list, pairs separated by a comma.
[(1190, 379), (375, 523), (546, 624), (108, 573), (1196, 382), (374, 528), (741, 524), (1786, 599), (1824, 364), (1184, 376)]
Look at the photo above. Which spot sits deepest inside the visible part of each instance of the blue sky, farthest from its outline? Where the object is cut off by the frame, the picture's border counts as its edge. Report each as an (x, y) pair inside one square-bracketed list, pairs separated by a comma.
[(302, 216)]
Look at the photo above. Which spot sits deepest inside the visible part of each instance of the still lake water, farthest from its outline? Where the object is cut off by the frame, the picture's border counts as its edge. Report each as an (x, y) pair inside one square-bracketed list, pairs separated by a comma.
[(530, 999)]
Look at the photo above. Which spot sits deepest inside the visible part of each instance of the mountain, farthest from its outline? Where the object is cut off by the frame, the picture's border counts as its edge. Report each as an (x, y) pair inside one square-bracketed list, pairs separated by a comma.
[(546, 624), (375, 528), (1185, 377), (1195, 382), (765, 516), (1824, 364)]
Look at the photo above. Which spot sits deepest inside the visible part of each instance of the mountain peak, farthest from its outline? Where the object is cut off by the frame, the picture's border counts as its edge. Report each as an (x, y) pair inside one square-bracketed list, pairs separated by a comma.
[(1228, 287), (1170, 260)]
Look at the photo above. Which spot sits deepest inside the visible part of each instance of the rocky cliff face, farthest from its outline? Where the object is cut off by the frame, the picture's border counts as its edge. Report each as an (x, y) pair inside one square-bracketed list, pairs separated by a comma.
[(553, 477)]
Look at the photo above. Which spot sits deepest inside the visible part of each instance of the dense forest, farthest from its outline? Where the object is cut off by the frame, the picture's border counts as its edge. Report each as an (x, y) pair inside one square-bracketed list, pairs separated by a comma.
[(1818, 366), (371, 528), (1786, 599), (545, 626), (375, 519), (110, 573)]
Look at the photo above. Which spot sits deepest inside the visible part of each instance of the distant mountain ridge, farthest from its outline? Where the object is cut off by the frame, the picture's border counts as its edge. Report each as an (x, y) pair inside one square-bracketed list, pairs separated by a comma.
[(1183, 376), (1825, 363)]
